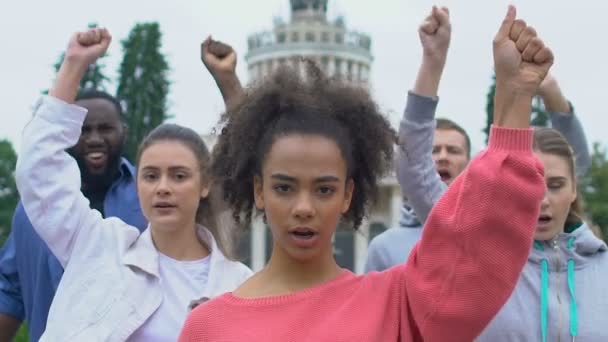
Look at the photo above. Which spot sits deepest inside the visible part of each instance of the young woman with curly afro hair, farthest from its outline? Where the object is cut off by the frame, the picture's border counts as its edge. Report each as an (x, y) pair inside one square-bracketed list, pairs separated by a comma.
[(308, 152)]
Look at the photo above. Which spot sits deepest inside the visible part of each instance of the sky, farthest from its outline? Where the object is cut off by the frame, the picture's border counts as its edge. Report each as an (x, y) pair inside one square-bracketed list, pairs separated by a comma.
[(34, 33)]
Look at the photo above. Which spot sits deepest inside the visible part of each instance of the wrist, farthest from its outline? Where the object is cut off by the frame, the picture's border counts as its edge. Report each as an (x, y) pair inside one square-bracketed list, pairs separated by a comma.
[(512, 106), (225, 79), (74, 62), (513, 90), (433, 64)]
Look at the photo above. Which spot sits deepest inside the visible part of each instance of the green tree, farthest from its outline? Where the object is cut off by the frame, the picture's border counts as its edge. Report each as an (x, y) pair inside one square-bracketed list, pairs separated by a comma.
[(594, 188), (490, 108), (94, 78), (143, 85), (8, 190), (540, 117)]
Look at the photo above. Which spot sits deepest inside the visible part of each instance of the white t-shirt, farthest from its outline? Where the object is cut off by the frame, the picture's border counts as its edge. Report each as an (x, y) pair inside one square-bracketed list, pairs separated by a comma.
[(182, 282)]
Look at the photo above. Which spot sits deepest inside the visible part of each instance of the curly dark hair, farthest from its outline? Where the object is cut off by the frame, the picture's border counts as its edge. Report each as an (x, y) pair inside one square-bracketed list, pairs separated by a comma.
[(302, 101)]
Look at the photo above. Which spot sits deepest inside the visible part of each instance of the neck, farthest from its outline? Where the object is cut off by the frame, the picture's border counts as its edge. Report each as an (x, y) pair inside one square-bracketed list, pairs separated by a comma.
[(179, 244), (288, 274), (99, 184)]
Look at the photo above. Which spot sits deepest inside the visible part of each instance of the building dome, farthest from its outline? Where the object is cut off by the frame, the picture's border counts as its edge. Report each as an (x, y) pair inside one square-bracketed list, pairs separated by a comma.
[(308, 9), (338, 51)]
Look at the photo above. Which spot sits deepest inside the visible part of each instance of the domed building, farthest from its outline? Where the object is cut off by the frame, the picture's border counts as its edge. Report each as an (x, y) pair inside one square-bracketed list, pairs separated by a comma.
[(338, 51)]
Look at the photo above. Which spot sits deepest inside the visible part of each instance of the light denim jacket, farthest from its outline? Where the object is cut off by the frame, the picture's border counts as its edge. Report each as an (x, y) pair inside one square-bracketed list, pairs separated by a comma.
[(111, 284)]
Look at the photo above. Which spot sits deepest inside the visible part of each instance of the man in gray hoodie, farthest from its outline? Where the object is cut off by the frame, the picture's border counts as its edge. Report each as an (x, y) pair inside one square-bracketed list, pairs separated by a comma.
[(419, 132), (451, 154)]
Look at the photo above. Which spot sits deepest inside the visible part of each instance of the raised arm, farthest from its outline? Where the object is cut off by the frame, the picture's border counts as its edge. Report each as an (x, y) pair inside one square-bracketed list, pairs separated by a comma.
[(566, 122), (416, 171), (479, 234), (220, 60), (48, 179)]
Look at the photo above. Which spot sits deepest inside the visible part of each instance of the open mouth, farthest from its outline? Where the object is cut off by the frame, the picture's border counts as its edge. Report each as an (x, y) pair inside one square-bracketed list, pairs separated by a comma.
[(303, 233), (445, 175), (544, 220), (164, 205), (96, 159)]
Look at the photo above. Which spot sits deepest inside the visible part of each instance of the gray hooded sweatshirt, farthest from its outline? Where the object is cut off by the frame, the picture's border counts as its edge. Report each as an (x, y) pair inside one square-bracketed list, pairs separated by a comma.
[(562, 289), (379, 254), (575, 289)]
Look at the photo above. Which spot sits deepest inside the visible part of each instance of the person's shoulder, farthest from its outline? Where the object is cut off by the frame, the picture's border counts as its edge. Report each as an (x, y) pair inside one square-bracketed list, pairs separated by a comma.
[(19, 213), (21, 224), (392, 236), (237, 268), (204, 311), (205, 314)]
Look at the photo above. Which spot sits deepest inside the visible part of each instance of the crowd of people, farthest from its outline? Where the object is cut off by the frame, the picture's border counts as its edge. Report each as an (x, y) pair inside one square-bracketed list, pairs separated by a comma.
[(492, 247)]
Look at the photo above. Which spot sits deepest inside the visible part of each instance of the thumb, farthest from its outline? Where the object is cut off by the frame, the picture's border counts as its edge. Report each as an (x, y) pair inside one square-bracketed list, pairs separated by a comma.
[(205, 45), (505, 27), (106, 38), (442, 15)]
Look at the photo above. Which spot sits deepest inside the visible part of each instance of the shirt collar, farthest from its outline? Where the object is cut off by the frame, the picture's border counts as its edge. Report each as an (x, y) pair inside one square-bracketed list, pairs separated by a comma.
[(126, 169), (144, 255)]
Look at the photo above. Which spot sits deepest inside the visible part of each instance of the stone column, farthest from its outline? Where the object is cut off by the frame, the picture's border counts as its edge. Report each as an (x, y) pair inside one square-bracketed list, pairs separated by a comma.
[(258, 244), (396, 204), (361, 242)]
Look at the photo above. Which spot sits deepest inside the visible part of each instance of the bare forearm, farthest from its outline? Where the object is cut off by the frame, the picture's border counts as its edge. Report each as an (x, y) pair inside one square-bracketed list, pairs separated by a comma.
[(67, 82), (230, 87), (8, 327), (554, 99), (427, 81)]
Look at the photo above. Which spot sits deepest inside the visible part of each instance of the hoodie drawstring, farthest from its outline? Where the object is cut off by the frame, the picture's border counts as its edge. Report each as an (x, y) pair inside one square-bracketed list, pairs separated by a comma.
[(544, 293), (573, 308)]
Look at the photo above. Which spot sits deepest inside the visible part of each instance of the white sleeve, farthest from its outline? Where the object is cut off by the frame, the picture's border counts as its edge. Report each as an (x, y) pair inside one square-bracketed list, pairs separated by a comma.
[(48, 179)]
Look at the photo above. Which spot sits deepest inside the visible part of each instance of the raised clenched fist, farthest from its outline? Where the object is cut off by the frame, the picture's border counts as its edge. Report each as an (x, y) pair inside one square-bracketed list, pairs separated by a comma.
[(85, 47), (219, 58), (435, 32), (521, 59)]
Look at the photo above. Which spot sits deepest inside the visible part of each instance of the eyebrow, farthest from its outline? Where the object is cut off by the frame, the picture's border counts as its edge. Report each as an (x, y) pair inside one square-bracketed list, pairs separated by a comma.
[(556, 178), (448, 146), (286, 178), (171, 168)]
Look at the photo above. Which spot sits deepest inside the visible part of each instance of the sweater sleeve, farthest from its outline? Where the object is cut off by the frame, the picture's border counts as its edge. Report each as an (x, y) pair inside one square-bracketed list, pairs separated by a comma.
[(416, 171), (476, 241), (570, 126)]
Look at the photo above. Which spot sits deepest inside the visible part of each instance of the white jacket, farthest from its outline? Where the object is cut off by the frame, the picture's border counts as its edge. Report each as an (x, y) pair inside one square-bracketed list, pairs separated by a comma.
[(111, 284)]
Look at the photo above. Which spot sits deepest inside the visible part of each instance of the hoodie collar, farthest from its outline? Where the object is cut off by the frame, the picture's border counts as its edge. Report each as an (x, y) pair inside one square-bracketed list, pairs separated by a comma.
[(585, 246), (409, 218)]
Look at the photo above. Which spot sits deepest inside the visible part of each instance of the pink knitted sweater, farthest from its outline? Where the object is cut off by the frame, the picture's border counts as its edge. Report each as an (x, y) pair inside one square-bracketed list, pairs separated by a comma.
[(474, 245)]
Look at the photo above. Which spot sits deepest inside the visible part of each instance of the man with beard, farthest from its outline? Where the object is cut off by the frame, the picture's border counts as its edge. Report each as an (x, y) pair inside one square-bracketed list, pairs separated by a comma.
[(29, 272)]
